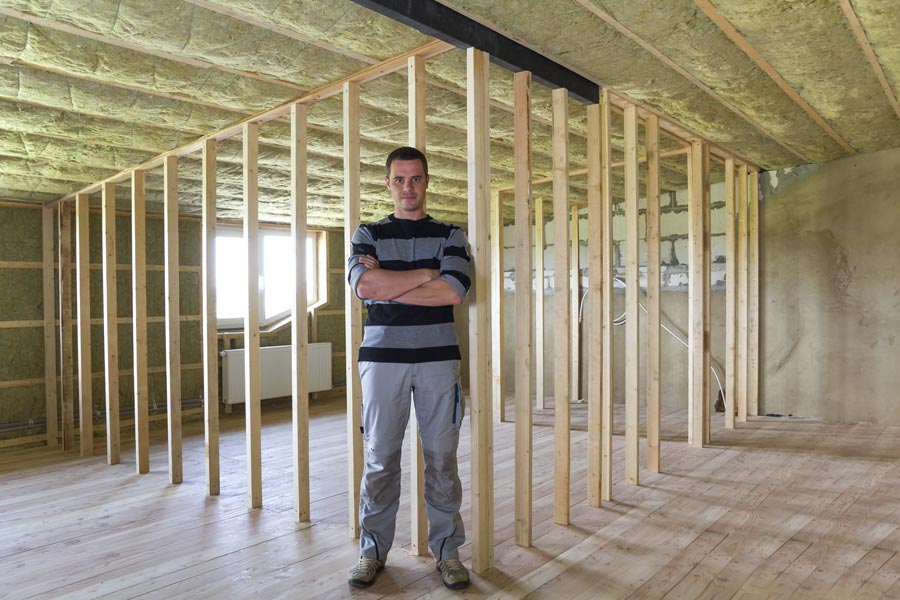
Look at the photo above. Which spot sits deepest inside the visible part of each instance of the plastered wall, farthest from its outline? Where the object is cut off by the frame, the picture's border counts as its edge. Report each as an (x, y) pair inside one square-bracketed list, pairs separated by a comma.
[(830, 293)]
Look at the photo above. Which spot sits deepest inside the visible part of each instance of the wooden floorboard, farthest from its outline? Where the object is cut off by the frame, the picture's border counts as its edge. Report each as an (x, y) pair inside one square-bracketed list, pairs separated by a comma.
[(777, 508)]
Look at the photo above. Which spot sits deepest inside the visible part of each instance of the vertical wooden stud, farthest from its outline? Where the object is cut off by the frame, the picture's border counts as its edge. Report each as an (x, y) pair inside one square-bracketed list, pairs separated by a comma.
[(479, 167), (607, 385), (632, 301), (417, 139), (51, 409), (210, 341), (299, 333), (139, 323), (83, 294), (707, 295), (66, 353), (498, 391), (574, 297), (594, 338), (562, 345), (110, 322), (696, 296), (742, 240), (539, 393), (253, 419), (753, 293), (523, 442), (651, 131), (352, 305), (173, 317), (730, 293)]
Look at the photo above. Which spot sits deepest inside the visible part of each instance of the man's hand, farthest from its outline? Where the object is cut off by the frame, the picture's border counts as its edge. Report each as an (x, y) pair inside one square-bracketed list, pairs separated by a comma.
[(370, 261)]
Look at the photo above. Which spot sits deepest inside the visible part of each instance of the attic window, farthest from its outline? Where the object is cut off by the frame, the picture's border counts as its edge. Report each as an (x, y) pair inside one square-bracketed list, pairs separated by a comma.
[(276, 282)]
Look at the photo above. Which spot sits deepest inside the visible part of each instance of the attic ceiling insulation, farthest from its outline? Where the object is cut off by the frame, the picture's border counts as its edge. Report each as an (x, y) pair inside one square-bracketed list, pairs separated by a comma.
[(89, 88)]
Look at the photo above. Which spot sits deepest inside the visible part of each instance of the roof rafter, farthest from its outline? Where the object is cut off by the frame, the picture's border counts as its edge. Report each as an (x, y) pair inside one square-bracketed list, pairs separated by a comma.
[(615, 24), (863, 39), (741, 42)]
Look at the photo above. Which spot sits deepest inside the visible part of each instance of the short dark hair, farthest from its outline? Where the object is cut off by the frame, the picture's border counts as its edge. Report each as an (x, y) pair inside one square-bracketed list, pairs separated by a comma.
[(405, 153)]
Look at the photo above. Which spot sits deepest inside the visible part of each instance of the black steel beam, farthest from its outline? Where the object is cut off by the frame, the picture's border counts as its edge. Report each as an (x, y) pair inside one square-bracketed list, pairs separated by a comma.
[(439, 21)]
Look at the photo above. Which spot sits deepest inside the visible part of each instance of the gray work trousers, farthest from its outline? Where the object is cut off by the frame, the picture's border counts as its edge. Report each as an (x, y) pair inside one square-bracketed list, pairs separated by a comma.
[(387, 388)]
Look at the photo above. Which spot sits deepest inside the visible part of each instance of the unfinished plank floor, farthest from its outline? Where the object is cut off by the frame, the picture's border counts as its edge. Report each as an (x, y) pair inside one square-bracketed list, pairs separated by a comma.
[(775, 509)]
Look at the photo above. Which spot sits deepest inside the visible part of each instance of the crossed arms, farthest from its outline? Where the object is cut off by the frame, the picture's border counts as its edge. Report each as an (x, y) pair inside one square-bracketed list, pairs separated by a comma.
[(422, 287)]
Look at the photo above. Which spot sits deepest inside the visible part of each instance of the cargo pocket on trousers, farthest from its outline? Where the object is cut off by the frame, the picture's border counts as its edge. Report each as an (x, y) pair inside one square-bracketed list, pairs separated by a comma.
[(459, 406)]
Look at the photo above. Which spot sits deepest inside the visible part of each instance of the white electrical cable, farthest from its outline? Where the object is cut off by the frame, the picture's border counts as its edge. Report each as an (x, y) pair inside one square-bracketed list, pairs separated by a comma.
[(620, 320)]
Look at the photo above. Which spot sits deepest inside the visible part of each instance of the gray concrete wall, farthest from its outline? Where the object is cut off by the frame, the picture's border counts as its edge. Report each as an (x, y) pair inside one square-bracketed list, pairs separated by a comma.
[(830, 293)]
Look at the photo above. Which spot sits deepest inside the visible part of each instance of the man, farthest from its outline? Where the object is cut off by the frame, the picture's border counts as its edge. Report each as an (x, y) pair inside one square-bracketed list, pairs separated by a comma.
[(410, 270)]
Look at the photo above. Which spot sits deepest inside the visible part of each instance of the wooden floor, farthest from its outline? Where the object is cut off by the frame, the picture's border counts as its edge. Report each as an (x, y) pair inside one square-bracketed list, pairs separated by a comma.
[(775, 509)]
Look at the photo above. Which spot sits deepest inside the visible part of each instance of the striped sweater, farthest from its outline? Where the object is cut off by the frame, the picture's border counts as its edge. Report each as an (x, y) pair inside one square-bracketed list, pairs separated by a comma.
[(404, 333)]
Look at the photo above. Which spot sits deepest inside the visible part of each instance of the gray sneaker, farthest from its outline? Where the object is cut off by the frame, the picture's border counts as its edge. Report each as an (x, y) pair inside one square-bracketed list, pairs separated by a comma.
[(453, 573), (364, 573)]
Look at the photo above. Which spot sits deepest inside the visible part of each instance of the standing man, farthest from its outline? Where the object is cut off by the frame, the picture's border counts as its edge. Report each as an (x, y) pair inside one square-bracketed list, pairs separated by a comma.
[(410, 270)]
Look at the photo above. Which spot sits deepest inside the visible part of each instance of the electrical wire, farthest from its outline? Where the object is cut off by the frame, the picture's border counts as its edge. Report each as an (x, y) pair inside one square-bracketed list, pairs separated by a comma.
[(621, 319)]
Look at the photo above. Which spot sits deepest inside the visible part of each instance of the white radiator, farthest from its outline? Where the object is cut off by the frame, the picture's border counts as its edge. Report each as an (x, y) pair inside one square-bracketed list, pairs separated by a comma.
[(274, 372)]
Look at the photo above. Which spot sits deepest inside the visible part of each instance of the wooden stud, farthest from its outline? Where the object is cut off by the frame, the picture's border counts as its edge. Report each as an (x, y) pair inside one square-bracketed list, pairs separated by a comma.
[(51, 399), (66, 353), (574, 297), (651, 131), (352, 305), (110, 323), (539, 393), (139, 323), (299, 331), (632, 301), (498, 391), (524, 309), (730, 293), (481, 422), (253, 419), (416, 79), (83, 295), (562, 345), (608, 300), (753, 294), (210, 341), (696, 296), (742, 240), (707, 295), (594, 305), (173, 321)]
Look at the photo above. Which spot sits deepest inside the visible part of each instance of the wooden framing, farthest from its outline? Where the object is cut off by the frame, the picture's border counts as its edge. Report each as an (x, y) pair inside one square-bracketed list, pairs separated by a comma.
[(173, 320), (299, 332), (139, 323), (562, 343), (110, 323), (697, 283), (210, 343), (83, 295), (594, 348), (707, 294), (607, 381), (253, 418), (540, 394), (416, 79), (574, 297), (51, 399), (524, 309), (651, 133), (753, 293), (498, 391), (863, 39), (730, 294), (742, 237), (632, 301), (352, 305), (481, 422)]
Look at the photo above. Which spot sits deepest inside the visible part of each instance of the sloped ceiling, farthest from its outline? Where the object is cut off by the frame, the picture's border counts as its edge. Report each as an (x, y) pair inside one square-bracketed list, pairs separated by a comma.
[(89, 88)]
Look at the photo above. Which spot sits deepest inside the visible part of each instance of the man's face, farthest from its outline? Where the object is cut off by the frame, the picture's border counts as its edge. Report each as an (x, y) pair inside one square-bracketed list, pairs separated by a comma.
[(407, 184)]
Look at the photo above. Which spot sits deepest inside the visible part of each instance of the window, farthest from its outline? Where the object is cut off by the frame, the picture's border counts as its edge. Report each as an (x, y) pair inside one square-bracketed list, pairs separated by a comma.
[(276, 283)]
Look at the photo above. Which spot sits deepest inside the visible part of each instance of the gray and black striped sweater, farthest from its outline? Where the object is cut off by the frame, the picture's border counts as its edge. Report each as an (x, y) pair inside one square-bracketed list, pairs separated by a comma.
[(404, 333)]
